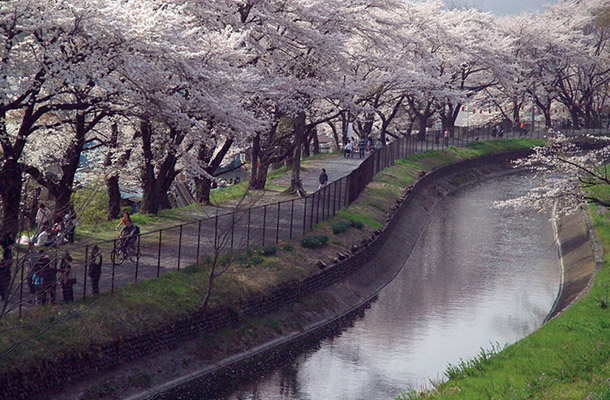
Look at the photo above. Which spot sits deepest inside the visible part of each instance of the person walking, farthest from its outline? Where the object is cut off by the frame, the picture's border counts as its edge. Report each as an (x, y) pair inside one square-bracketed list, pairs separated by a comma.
[(95, 269), (48, 282), (446, 137), (347, 150), (323, 179), (361, 148), (42, 261), (66, 278)]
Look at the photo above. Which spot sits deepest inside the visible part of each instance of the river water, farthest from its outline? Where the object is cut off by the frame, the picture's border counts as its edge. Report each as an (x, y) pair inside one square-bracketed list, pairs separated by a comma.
[(478, 277)]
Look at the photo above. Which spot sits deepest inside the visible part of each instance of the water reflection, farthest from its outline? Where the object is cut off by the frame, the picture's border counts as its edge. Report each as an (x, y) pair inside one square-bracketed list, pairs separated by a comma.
[(477, 276)]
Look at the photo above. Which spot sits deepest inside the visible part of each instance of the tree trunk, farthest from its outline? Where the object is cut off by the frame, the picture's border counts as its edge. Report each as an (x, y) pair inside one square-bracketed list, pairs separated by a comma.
[(316, 141), (333, 128), (202, 190), (150, 202), (258, 173), (307, 146), (423, 121), (299, 135), (114, 197), (203, 184), (575, 117), (112, 182), (10, 192), (258, 178)]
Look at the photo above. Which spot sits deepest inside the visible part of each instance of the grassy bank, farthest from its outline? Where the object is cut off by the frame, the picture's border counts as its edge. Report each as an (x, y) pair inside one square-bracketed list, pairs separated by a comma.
[(568, 358), (51, 331)]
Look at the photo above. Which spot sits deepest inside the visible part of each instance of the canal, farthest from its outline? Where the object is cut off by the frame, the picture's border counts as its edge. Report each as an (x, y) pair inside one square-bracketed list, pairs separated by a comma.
[(478, 277)]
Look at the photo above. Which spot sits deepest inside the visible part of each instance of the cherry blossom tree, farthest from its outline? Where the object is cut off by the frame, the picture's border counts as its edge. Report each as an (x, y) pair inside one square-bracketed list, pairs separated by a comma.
[(566, 173), (50, 52)]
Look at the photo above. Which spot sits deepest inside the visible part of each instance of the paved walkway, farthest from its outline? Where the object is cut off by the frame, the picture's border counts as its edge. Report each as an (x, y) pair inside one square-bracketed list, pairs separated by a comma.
[(178, 247), (336, 167)]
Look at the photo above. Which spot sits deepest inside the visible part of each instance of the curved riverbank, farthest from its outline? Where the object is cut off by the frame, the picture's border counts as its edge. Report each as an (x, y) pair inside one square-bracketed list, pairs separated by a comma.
[(167, 337)]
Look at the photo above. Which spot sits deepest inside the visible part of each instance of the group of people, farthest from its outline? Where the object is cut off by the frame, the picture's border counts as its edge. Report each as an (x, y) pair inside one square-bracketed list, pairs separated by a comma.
[(44, 275), (365, 145), (54, 232), (223, 183)]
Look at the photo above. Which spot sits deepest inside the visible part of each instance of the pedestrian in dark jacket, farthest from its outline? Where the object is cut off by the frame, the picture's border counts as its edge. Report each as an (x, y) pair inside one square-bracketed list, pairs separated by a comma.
[(323, 180), (48, 280), (95, 269), (66, 278)]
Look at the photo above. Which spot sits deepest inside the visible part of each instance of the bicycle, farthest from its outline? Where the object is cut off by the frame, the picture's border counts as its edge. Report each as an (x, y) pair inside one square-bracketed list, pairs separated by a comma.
[(118, 255)]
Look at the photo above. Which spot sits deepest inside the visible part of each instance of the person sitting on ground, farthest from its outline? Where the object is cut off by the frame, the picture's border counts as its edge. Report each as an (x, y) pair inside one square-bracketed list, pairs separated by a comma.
[(44, 236), (124, 220), (128, 235)]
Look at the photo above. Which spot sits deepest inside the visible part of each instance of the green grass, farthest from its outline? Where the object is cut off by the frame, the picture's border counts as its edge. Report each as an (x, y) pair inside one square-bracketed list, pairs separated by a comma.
[(152, 303), (568, 358)]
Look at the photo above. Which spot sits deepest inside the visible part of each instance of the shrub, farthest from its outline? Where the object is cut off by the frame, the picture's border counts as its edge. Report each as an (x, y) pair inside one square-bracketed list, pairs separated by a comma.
[(357, 224), (313, 242), (340, 227), (268, 251), (254, 260), (288, 247)]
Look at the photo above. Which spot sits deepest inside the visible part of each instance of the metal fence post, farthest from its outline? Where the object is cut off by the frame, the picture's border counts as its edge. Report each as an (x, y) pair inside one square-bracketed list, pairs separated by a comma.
[(21, 286), (113, 265), (85, 272), (291, 217), (335, 197), (340, 187), (318, 207), (264, 222), (159, 255), (313, 205), (248, 230), (324, 203), (137, 260), (198, 242), (277, 227), (304, 213), (232, 229), (179, 247), (216, 231)]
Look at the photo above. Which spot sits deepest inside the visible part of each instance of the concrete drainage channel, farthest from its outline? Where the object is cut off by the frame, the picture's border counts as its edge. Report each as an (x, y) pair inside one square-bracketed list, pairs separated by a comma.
[(361, 288)]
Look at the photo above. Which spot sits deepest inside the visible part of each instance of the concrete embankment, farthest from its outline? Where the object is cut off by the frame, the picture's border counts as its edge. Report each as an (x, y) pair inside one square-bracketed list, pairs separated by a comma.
[(581, 256)]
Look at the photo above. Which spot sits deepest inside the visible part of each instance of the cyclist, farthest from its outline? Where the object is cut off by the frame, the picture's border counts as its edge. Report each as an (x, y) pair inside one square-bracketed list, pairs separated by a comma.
[(128, 235)]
